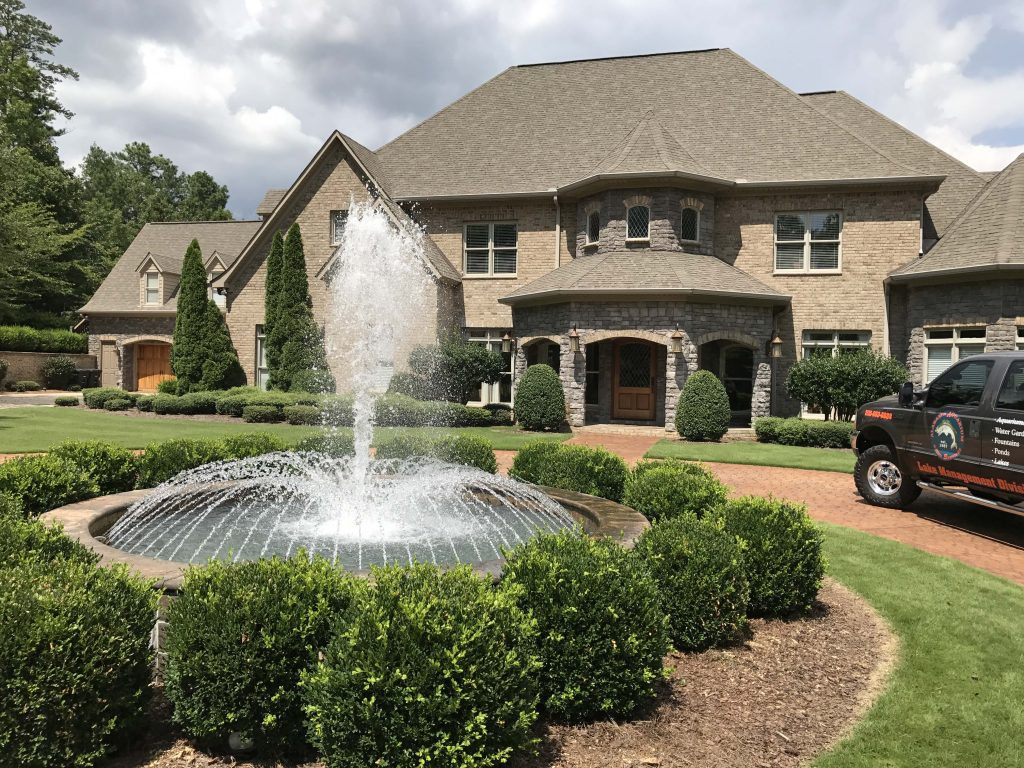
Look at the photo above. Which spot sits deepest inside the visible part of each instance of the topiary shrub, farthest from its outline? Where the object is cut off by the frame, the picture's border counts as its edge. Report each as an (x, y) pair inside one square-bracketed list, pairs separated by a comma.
[(167, 387), (252, 444), (662, 490), (22, 540), (24, 386), (429, 667), (66, 401), (42, 483), (332, 444), (96, 397), (782, 553), (117, 404), (113, 468), (500, 413), (451, 370), (455, 449), (59, 372), (262, 414), (602, 630), (162, 461), (572, 467), (540, 399), (408, 384), (74, 661), (532, 459), (308, 415), (167, 405), (703, 410), (700, 571), (239, 636)]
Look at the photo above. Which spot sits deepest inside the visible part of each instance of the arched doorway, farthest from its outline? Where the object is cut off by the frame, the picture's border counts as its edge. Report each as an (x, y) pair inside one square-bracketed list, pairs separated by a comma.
[(633, 380), (152, 365), (733, 363)]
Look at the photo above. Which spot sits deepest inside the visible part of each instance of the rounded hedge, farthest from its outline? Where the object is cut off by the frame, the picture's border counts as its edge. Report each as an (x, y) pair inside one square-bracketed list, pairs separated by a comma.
[(703, 410), (782, 553), (662, 490), (24, 386), (455, 449), (96, 397), (700, 571), (59, 372), (531, 460), (167, 387), (262, 414), (162, 461), (429, 667), (42, 483), (66, 401), (332, 444), (239, 635), (74, 661), (113, 468), (803, 432), (118, 404), (572, 467), (253, 444), (540, 399), (308, 415), (145, 402), (602, 630)]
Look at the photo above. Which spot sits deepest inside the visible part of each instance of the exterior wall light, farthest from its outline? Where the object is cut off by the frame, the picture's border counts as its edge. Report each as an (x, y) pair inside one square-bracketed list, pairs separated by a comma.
[(506, 343), (574, 341), (776, 343), (677, 341)]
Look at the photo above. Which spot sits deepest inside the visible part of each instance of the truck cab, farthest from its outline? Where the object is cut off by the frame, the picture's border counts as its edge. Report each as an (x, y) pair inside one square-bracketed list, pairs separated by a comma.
[(962, 436)]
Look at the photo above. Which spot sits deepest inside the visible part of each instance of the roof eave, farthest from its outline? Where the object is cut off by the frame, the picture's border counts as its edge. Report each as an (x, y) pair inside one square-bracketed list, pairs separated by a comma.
[(556, 294), (977, 269), (460, 197), (122, 312), (856, 181), (600, 177)]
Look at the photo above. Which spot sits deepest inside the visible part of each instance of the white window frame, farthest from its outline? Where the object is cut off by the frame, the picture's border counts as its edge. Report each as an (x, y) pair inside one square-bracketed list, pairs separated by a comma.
[(490, 273), (697, 230), (806, 269), (335, 215), (1020, 337), (155, 289), (835, 344), (647, 237), (490, 338), (262, 371), (587, 237), (220, 299), (956, 342)]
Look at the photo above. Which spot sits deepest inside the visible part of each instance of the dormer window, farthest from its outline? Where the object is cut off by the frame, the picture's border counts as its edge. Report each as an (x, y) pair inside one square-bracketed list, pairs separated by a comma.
[(152, 284), (689, 228), (220, 299), (338, 219), (638, 223), (593, 228)]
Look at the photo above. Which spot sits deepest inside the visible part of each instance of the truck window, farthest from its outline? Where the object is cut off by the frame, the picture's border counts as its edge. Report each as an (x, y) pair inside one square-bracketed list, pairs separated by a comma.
[(961, 385), (1011, 394)]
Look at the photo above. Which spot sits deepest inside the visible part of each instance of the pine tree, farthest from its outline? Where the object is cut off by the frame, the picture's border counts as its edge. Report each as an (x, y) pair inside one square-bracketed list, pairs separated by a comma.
[(272, 291)]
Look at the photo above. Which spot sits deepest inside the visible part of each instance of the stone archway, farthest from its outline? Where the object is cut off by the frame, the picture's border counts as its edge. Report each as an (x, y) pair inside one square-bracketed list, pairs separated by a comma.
[(739, 361), (145, 361)]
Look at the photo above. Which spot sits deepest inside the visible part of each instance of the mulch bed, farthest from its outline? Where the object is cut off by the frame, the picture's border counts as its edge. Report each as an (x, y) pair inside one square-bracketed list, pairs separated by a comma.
[(783, 695)]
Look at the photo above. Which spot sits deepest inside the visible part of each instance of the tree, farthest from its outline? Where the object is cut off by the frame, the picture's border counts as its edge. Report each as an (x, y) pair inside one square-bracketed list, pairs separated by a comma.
[(271, 297), (202, 357), (453, 369), (703, 409), (838, 386)]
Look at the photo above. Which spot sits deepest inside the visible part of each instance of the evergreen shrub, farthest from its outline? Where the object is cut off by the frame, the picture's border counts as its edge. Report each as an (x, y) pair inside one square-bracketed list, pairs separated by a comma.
[(59, 372), (703, 411), (540, 399), (455, 449), (663, 490)]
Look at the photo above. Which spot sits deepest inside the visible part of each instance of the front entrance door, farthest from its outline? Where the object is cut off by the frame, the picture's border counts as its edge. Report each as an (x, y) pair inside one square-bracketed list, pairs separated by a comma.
[(152, 365), (108, 364), (633, 383)]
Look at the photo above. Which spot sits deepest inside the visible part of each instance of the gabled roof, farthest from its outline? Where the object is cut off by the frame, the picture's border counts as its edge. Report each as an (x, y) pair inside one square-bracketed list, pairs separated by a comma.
[(224, 259), (533, 129), (645, 273), (119, 291), (269, 202), (171, 265), (987, 236), (962, 182)]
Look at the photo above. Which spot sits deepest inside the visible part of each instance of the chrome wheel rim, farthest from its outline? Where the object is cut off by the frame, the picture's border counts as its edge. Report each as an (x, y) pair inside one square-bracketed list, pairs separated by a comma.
[(884, 478)]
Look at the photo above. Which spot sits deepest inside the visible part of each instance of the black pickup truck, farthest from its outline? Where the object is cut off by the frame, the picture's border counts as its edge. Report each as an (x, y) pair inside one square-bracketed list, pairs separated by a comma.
[(963, 436)]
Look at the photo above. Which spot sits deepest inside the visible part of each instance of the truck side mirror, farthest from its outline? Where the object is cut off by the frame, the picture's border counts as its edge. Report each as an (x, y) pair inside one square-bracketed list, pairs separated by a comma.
[(907, 395)]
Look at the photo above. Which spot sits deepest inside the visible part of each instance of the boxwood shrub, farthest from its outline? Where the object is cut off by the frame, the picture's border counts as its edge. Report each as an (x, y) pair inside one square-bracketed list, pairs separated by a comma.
[(96, 397), (145, 402), (10, 506), (429, 667), (662, 490), (336, 410), (66, 401), (308, 415), (42, 483), (572, 467), (330, 443), (703, 411), (456, 449), (167, 387), (118, 404), (74, 661), (804, 432), (782, 553), (700, 571), (253, 444), (262, 414), (602, 630), (24, 386), (113, 468), (162, 461), (531, 460), (59, 372), (22, 540), (540, 399), (239, 636)]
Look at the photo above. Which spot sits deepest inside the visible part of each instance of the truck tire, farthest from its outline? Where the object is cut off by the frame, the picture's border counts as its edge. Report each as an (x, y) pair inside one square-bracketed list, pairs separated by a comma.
[(880, 480)]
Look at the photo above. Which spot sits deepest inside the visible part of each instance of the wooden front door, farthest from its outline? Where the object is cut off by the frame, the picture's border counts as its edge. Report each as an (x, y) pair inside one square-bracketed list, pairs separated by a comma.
[(633, 382), (108, 364), (152, 365)]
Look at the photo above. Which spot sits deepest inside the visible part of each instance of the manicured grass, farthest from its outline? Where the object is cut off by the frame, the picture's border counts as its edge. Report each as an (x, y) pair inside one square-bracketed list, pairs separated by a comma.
[(956, 697), (749, 452), (40, 428)]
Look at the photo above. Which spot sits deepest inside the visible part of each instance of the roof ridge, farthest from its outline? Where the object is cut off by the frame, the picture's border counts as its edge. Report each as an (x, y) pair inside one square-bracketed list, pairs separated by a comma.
[(1014, 204), (615, 58), (205, 221), (665, 132)]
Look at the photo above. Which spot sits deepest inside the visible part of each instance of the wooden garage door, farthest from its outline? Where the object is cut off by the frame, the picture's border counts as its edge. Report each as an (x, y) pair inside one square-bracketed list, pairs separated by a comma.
[(152, 365)]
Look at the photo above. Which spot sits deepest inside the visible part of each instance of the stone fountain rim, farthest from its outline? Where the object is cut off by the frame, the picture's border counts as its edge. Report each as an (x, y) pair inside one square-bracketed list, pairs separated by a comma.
[(84, 520)]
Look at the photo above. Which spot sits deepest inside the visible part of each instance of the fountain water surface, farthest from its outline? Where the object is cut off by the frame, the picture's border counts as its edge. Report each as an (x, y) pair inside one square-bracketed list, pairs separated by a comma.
[(354, 510)]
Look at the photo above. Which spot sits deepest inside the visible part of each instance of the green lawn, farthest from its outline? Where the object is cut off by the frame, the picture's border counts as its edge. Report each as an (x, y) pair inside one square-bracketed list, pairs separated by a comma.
[(956, 697), (40, 428), (749, 452)]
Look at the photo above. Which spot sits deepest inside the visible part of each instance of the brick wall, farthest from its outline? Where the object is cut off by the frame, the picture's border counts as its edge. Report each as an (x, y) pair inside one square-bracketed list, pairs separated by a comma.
[(28, 366)]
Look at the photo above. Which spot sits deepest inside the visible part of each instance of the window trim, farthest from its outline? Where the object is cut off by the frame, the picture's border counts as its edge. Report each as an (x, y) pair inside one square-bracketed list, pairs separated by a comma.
[(647, 238), (682, 239), (587, 238), (490, 274), (158, 289), (486, 337), (955, 342), (807, 269), (331, 227), (836, 344)]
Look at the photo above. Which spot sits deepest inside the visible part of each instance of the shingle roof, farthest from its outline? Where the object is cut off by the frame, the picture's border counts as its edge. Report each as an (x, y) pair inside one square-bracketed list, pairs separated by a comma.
[(269, 202), (645, 272), (169, 264), (962, 182), (535, 128), (119, 291), (988, 235)]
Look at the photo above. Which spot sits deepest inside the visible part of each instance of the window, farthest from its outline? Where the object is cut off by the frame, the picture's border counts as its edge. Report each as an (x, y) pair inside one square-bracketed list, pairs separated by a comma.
[(689, 229), (834, 343), (262, 370), (638, 223), (963, 384), (593, 228), (500, 391), (1020, 337), (338, 219), (152, 288), (220, 299), (593, 378), (945, 346), (1011, 394), (490, 249), (808, 242)]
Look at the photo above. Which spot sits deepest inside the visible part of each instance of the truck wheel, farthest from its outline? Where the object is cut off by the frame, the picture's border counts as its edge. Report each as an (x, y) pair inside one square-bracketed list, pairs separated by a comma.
[(880, 480)]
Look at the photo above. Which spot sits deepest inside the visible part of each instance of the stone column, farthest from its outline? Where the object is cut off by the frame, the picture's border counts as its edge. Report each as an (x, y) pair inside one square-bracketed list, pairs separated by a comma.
[(574, 379), (518, 369), (761, 400), (673, 361)]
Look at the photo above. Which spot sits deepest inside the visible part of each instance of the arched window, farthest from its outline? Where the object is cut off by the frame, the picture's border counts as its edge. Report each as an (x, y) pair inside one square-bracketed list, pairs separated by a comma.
[(593, 227), (638, 223), (689, 230)]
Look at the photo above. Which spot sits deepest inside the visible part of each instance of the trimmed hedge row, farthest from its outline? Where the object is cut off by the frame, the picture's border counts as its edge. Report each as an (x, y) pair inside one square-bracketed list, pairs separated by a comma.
[(572, 467), (455, 449), (21, 338), (803, 432)]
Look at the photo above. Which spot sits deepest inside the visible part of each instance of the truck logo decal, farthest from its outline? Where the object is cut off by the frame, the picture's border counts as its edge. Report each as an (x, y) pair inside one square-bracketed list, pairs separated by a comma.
[(947, 435)]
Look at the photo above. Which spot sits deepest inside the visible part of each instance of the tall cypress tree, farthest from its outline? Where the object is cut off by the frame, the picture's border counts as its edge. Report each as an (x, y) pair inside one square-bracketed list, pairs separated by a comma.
[(271, 297)]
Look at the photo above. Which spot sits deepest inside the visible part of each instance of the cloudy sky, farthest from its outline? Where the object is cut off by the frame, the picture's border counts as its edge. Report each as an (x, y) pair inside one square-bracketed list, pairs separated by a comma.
[(248, 89)]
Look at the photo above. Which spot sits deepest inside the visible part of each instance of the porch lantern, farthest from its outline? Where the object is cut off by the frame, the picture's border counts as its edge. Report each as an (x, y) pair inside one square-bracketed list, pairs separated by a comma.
[(776, 344), (677, 342), (574, 341), (506, 343)]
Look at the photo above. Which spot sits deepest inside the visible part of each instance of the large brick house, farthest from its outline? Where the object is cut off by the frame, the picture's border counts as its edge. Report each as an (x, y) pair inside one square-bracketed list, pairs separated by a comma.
[(628, 221)]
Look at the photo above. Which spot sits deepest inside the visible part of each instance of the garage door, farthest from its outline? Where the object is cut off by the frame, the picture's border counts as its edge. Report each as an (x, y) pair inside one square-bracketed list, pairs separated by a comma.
[(152, 365)]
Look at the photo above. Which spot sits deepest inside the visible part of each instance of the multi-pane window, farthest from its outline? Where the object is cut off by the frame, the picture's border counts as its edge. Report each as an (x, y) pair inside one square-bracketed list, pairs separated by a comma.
[(593, 227), (338, 220), (262, 369), (220, 299), (689, 230), (945, 346), (490, 249), (501, 390), (152, 288), (638, 223), (808, 242), (834, 343), (593, 374)]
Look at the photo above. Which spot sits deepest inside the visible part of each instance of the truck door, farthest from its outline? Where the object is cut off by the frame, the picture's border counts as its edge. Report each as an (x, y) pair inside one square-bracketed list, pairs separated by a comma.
[(1003, 431)]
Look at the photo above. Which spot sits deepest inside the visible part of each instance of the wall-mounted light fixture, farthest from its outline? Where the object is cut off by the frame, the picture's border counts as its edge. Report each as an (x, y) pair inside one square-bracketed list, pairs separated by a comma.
[(574, 341), (506, 343), (776, 343), (677, 341)]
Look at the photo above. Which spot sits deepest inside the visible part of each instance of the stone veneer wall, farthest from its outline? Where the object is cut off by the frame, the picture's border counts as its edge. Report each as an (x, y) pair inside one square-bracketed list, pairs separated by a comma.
[(666, 206), (28, 366), (124, 331), (654, 321)]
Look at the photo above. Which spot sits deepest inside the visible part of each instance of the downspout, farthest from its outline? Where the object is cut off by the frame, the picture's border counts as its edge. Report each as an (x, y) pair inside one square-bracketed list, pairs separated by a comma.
[(885, 318), (558, 232)]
